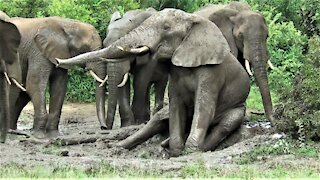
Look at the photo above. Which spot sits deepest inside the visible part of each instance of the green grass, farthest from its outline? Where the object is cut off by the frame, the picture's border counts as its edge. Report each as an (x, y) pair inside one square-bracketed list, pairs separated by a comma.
[(194, 170), (254, 100)]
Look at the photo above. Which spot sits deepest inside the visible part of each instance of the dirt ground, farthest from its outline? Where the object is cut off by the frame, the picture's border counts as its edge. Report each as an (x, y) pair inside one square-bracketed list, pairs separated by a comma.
[(79, 121)]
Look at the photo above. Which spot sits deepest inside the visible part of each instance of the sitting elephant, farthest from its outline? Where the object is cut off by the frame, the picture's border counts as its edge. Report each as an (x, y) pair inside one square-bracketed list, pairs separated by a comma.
[(207, 88), (43, 40), (9, 43), (246, 32), (145, 73)]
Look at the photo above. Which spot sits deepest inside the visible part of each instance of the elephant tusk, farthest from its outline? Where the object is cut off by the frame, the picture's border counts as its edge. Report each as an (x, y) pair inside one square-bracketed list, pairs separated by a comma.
[(248, 68), (19, 85), (96, 77), (135, 50), (104, 81), (270, 65), (7, 78), (125, 78), (112, 60)]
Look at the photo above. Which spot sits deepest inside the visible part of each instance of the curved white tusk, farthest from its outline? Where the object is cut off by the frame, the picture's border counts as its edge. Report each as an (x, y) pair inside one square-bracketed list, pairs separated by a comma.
[(270, 65), (104, 81), (96, 77), (125, 78), (7, 78), (19, 85), (248, 68), (135, 50)]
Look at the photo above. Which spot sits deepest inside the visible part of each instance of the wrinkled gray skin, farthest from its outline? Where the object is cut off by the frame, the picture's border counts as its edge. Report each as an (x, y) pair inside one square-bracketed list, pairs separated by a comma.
[(9, 43), (144, 73), (208, 86), (43, 40), (246, 32)]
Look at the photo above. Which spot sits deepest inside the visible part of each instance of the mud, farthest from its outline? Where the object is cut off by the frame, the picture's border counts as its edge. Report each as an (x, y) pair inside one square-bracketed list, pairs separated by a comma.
[(79, 123)]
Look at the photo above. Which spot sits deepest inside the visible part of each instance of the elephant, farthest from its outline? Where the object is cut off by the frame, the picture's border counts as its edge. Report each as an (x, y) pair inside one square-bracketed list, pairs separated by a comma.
[(246, 32), (9, 42), (144, 72), (208, 87), (43, 40)]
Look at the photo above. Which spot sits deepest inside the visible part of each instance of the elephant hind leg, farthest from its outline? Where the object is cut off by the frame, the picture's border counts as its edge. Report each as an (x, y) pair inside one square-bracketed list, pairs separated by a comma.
[(57, 90), (229, 122), (16, 108)]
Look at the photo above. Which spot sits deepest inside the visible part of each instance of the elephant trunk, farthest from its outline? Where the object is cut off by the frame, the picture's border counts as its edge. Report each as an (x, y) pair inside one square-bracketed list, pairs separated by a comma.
[(115, 77), (100, 70), (4, 108), (258, 60), (124, 47)]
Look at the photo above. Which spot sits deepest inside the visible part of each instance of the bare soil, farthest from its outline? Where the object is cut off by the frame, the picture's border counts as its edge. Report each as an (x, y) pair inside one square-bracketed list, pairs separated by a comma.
[(79, 121)]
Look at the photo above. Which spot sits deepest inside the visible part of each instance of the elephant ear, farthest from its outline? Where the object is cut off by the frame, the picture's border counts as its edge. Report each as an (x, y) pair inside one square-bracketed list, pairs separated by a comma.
[(9, 42), (223, 18), (52, 41), (207, 44)]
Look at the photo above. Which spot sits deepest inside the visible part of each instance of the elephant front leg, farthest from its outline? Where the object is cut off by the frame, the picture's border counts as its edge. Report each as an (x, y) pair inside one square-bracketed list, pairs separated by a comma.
[(4, 108), (160, 88), (37, 80), (204, 112), (126, 113), (229, 122), (177, 123), (57, 90)]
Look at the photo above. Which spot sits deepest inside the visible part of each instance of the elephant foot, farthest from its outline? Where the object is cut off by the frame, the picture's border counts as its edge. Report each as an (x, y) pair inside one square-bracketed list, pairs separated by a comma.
[(53, 133), (39, 134), (175, 152), (192, 146), (103, 128)]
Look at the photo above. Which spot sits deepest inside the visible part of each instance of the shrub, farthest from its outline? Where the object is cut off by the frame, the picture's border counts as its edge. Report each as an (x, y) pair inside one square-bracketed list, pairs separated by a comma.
[(299, 112)]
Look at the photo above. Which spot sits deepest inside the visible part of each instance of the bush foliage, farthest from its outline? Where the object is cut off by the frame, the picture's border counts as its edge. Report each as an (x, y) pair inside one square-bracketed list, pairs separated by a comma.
[(294, 27)]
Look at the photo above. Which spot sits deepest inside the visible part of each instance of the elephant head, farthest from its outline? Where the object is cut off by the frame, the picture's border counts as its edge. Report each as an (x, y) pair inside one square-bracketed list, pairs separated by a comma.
[(9, 42), (247, 32), (118, 72)]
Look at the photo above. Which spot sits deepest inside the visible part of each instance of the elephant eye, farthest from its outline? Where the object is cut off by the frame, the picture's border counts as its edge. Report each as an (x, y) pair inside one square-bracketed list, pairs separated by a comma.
[(166, 27)]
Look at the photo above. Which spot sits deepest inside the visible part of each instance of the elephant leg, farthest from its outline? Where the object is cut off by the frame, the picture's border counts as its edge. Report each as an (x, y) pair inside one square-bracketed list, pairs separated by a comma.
[(229, 122), (160, 88), (126, 113), (15, 108), (57, 90), (177, 123), (140, 106), (204, 112), (153, 127), (4, 108), (36, 87)]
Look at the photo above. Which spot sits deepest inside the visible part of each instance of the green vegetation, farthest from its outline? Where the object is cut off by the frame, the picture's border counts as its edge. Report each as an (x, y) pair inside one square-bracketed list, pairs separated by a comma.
[(294, 28), (281, 147), (195, 170)]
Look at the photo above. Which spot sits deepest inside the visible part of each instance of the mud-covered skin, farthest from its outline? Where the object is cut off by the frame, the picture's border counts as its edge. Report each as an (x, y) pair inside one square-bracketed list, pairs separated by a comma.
[(246, 32), (207, 87)]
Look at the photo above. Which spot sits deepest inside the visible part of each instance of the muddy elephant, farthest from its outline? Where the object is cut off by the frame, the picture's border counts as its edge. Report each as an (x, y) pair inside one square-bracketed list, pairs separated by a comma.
[(144, 73), (207, 88), (246, 32), (43, 40), (9, 42)]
